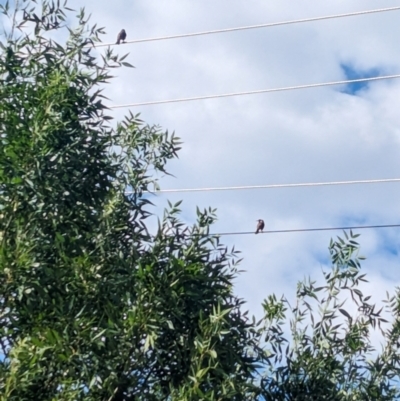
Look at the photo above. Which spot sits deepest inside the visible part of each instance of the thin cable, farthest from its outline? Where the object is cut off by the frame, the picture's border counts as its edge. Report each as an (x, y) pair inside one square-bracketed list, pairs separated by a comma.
[(242, 28), (305, 230), (287, 88), (271, 186)]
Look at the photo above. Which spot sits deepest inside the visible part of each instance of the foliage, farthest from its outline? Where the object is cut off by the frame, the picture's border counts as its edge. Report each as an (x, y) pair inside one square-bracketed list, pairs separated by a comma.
[(330, 355), (92, 306)]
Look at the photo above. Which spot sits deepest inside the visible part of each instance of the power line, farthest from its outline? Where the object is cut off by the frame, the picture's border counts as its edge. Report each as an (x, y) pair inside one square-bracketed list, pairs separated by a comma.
[(287, 88), (242, 28), (272, 186), (305, 230)]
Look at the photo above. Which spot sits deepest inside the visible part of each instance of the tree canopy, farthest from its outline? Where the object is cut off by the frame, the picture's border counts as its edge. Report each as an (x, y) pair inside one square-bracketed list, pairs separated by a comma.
[(329, 354), (92, 305), (95, 306)]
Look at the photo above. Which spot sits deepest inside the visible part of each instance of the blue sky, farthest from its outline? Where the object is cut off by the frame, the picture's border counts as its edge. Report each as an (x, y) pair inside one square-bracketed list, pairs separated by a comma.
[(312, 135), (352, 73)]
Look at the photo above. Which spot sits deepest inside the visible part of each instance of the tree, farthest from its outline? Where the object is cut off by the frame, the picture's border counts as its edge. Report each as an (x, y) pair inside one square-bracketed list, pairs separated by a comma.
[(92, 305), (331, 355)]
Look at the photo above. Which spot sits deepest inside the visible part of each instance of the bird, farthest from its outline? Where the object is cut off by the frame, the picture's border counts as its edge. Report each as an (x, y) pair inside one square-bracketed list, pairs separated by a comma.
[(260, 226), (121, 36)]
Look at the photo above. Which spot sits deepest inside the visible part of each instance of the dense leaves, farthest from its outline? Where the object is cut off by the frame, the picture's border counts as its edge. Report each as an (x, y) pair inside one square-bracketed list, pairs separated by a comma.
[(331, 355), (91, 305), (94, 305)]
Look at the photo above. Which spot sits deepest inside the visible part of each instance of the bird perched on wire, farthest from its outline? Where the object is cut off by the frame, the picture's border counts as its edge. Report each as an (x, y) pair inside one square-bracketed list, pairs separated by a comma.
[(260, 226), (121, 36)]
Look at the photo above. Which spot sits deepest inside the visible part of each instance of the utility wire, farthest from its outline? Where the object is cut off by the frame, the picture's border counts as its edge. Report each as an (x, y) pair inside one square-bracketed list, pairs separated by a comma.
[(272, 186), (304, 230), (242, 28), (287, 88)]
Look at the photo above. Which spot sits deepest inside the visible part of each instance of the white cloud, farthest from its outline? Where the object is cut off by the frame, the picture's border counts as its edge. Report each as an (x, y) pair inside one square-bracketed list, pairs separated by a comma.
[(300, 136)]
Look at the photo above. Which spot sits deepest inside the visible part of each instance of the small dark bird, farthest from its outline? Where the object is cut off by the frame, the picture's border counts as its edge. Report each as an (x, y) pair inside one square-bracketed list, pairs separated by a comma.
[(121, 36), (260, 226)]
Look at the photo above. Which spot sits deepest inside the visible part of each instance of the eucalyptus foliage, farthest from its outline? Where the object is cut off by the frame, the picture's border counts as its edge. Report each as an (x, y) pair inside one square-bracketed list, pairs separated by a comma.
[(92, 306)]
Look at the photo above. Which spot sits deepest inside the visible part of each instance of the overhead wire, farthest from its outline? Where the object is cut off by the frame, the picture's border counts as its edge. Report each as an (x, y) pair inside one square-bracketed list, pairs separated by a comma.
[(267, 25), (268, 91), (303, 230), (273, 186), (256, 92), (258, 26)]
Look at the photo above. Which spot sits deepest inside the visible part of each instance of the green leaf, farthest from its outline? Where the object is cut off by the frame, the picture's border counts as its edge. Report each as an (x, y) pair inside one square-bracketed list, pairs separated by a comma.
[(126, 64)]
